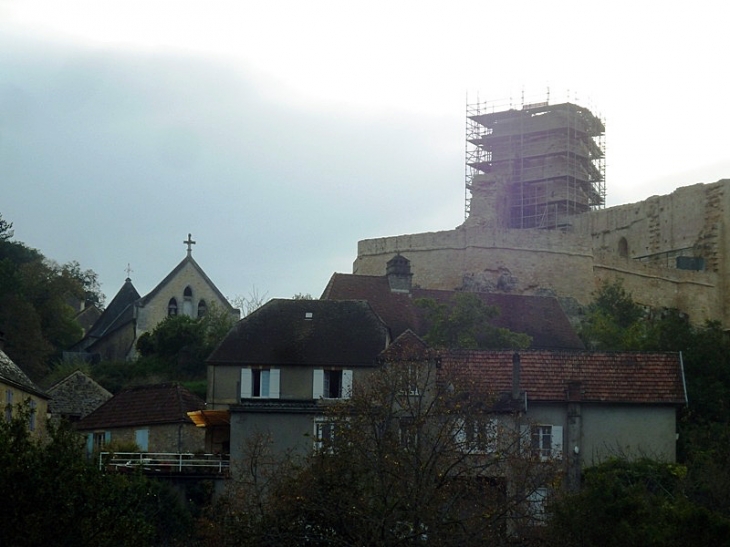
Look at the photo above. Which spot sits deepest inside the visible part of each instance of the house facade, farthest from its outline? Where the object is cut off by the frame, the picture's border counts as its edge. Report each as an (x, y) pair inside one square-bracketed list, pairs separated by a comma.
[(17, 390), (150, 418), (279, 367), (583, 407)]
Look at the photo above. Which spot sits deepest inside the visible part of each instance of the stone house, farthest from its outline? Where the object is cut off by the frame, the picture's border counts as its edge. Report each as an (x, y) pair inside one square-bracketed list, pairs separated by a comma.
[(152, 417), (186, 290), (16, 389), (75, 396)]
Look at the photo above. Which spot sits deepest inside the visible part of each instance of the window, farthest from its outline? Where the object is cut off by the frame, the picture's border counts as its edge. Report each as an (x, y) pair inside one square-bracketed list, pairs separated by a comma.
[(546, 442), (325, 433), (331, 384), (202, 308), (408, 431), (32, 416), (142, 439), (188, 301), (8, 405), (101, 439), (536, 502), (260, 383), (172, 307), (623, 247), (412, 379), (476, 435)]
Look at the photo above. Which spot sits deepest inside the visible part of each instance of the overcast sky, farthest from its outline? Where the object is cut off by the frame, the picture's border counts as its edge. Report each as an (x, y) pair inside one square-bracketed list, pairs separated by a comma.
[(281, 133)]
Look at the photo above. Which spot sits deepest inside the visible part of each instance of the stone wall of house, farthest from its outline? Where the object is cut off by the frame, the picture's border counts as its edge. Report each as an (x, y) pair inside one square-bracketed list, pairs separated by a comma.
[(175, 438), (76, 396), (639, 243)]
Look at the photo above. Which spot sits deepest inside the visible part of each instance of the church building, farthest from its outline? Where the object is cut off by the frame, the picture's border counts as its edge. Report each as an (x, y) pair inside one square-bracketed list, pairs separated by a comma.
[(186, 290)]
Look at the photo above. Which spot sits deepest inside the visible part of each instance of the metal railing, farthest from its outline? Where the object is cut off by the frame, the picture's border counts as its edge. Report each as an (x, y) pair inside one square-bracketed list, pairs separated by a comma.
[(164, 462)]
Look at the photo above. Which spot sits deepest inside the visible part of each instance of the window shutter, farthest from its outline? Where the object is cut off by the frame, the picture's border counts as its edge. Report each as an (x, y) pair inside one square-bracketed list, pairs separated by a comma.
[(107, 437), (274, 383), (492, 433), (557, 442), (245, 383), (346, 384), (317, 383), (460, 434), (525, 439), (90, 444)]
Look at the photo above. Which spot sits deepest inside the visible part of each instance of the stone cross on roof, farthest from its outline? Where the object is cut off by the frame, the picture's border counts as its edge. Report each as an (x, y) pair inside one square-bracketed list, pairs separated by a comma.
[(190, 244), (129, 270)]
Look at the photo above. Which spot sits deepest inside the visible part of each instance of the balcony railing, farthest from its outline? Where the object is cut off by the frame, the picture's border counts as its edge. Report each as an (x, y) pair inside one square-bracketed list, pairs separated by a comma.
[(164, 463)]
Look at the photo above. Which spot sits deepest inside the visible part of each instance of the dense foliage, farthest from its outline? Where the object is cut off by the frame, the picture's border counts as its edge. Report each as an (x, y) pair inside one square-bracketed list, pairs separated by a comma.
[(52, 496), (466, 322), (642, 503), (35, 311)]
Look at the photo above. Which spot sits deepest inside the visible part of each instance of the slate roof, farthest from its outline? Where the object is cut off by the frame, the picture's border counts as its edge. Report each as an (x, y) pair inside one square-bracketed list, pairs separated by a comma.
[(12, 375), (605, 377), (540, 317), (76, 395), (144, 405), (119, 311), (280, 332)]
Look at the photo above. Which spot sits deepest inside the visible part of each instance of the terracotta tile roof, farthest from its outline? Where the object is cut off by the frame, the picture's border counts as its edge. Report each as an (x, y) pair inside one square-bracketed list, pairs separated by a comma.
[(305, 332), (615, 377), (144, 405), (540, 317)]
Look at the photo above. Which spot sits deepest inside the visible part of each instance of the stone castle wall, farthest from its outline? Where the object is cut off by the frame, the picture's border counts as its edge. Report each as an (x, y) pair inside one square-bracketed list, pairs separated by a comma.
[(638, 243)]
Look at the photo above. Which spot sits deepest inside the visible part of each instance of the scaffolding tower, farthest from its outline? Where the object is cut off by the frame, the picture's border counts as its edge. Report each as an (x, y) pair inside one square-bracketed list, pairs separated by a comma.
[(547, 161)]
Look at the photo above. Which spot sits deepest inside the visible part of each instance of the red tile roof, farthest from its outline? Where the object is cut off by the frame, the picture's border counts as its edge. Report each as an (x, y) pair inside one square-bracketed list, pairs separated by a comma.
[(144, 405), (539, 316), (607, 377)]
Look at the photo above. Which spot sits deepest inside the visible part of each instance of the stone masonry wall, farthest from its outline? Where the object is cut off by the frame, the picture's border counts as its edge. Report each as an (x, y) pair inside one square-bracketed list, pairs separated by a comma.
[(638, 243)]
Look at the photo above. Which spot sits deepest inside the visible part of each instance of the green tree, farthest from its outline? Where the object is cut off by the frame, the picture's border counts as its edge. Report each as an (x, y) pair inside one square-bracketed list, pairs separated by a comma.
[(640, 503), (52, 496), (179, 345), (466, 322), (6, 229), (613, 320), (35, 314)]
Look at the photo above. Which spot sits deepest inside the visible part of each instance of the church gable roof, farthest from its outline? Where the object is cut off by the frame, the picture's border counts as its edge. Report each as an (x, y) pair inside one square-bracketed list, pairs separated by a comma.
[(305, 332), (540, 317), (144, 405)]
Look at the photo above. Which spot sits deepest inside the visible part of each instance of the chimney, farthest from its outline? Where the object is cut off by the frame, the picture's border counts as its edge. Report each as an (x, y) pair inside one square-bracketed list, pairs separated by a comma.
[(398, 272), (516, 376)]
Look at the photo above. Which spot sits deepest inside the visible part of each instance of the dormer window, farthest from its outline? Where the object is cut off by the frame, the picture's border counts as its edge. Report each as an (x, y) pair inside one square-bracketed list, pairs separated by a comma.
[(172, 307)]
